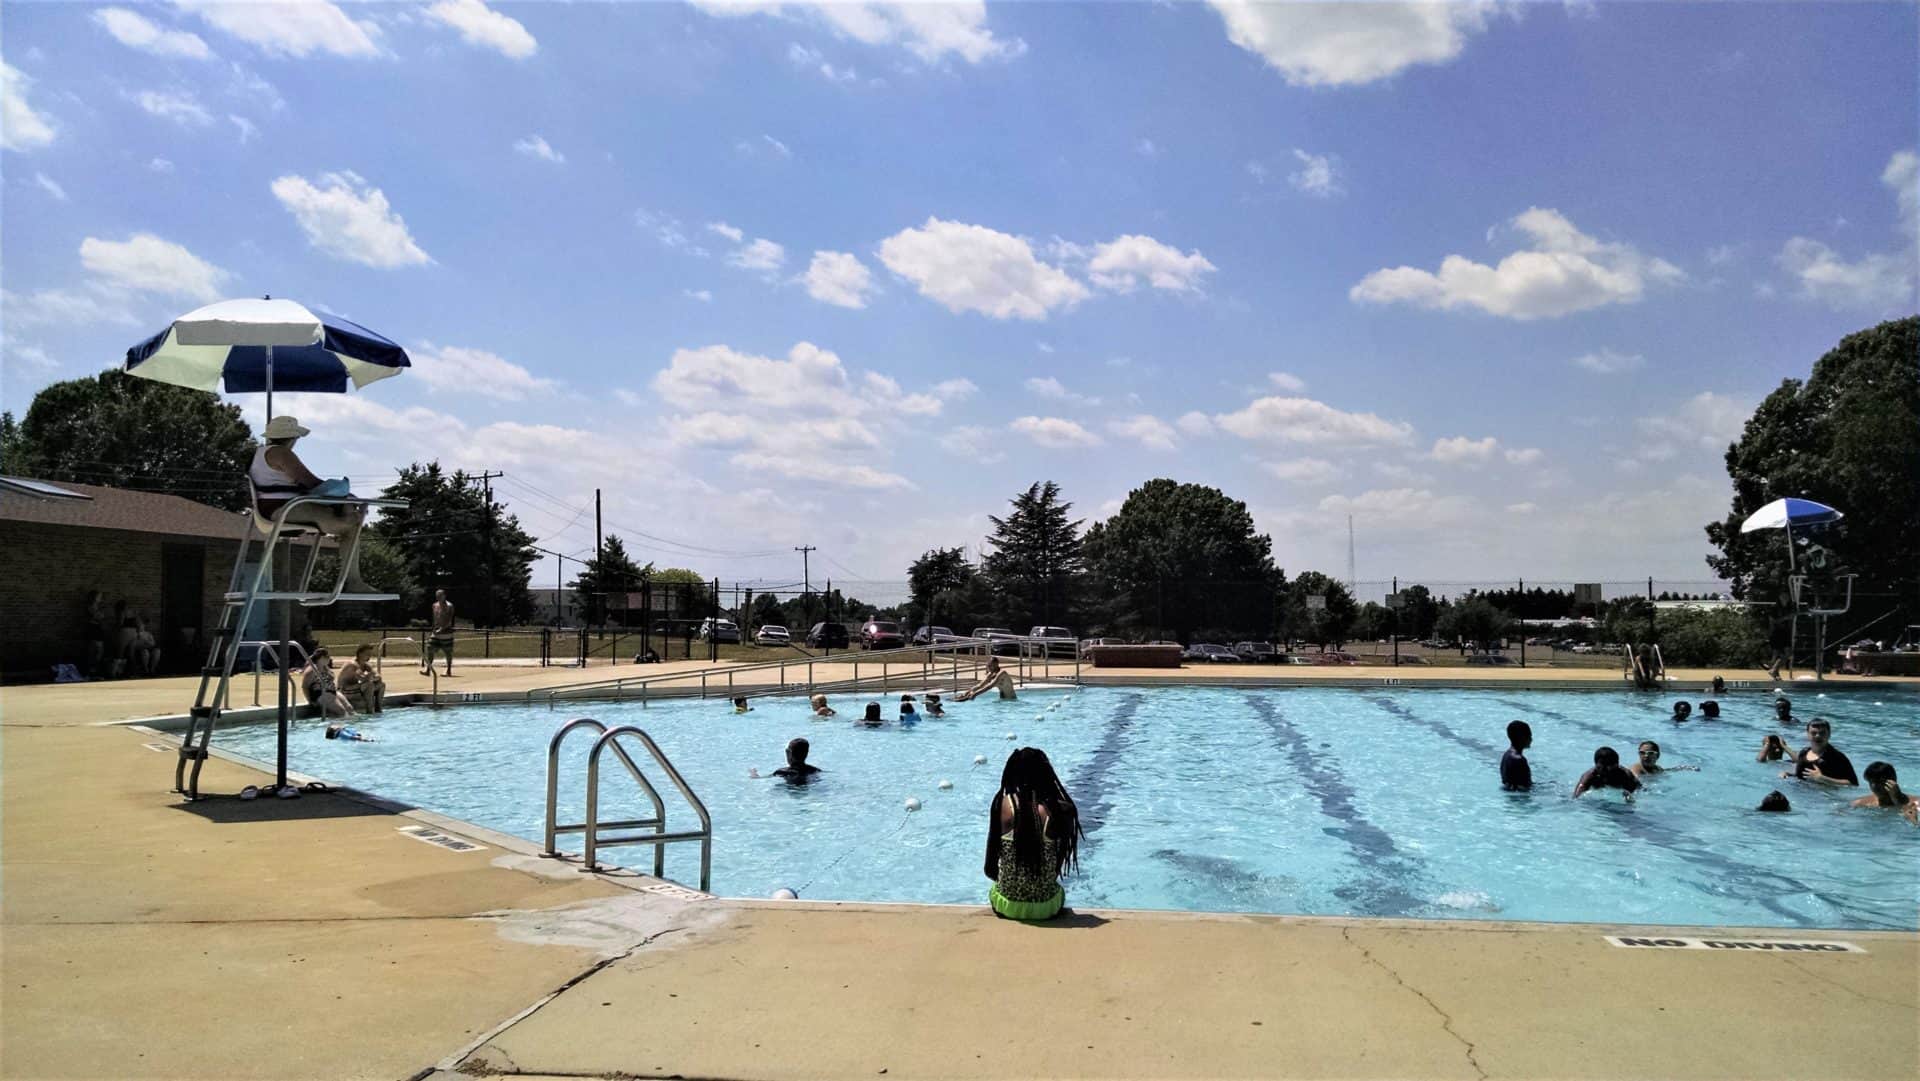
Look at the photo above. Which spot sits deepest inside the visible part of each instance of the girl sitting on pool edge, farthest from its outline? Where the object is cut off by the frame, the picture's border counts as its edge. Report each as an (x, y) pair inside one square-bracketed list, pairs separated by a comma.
[(1033, 836)]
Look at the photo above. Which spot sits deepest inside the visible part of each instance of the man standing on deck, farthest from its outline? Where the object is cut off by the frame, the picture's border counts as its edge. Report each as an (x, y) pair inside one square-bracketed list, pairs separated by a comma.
[(440, 639)]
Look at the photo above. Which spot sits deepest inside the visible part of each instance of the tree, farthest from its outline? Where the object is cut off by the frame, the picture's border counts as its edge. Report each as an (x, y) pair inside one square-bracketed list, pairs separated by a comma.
[(935, 576), (114, 429), (766, 609), (1476, 622), (1323, 626), (1036, 551), (612, 571), (1418, 612), (1850, 437), (450, 537), (1186, 556)]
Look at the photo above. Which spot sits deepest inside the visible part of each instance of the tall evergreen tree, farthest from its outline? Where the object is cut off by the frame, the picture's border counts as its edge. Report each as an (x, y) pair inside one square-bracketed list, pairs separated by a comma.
[(1036, 552), (611, 572), (450, 537)]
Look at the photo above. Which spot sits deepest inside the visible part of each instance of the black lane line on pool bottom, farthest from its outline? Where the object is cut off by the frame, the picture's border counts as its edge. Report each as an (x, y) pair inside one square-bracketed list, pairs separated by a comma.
[(1385, 892), (1439, 728), (1095, 779), (1764, 886)]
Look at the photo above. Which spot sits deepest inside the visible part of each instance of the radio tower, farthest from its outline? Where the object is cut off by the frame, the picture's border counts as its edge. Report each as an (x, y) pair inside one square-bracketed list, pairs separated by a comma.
[(1351, 585)]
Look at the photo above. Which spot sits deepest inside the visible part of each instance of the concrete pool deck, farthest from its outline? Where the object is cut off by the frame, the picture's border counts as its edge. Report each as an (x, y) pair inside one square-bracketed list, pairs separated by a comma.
[(146, 938)]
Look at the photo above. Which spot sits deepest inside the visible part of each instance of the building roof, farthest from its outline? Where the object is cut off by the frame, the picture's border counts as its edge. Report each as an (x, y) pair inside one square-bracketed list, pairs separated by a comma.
[(91, 506)]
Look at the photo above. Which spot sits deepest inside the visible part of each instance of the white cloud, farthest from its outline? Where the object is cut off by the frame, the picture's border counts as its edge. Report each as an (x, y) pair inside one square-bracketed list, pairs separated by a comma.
[(179, 106), (759, 254), (1148, 431), (133, 30), (150, 264), (1303, 420), (66, 307), (31, 357), (475, 371), (1120, 264), (1257, 171), (835, 277), (1524, 455), (247, 129), (1316, 175), (1145, 148), (1395, 509), (1877, 280), (1707, 420), (535, 146), (955, 389), (807, 467), (704, 296), (1287, 381), (1304, 471), (160, 165), (1564, 271), (1902, 174), (1049, 387), (779, 148), (1055, 432), (50, 186), (1195, 423), (730, 232), (982, 445), (810, 382), (766, 144), (1521, 508), (816, 61), (349, 219), (1459, 449), (289, 29), (931, 32), (1403, 474), (974, 268), (480, 25), (1349, 44), (1609, 362), (665, 228)]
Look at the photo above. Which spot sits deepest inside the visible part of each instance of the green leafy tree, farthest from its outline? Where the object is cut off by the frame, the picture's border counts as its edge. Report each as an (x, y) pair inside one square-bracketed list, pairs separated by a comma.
[(1036, 552), (1709, 638), (768, 609), (450, 537), (610, 572), (1328, 626), (1418, 612), (936, 582), (1476, 621), (1185, 556), (116, 430), (1849, 436)]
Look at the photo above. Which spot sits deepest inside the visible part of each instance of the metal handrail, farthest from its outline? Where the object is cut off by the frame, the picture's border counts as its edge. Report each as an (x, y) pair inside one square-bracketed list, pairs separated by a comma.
[(554, 828), (262, 647), (304, 596), (594, 841)]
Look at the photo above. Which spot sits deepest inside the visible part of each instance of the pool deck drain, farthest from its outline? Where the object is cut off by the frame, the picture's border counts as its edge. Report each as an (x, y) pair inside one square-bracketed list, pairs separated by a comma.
[(309, 938)]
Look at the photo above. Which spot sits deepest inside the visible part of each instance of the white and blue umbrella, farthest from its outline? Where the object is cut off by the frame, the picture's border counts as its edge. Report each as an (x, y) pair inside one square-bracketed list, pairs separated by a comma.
[(1787, 513), (249, 346)]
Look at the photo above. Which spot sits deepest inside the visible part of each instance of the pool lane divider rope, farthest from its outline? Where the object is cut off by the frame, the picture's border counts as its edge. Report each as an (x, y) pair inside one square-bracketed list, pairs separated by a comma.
[(801, 890)]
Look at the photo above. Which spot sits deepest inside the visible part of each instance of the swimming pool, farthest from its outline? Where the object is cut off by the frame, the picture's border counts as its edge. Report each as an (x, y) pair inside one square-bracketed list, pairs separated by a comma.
[(1287, 800)]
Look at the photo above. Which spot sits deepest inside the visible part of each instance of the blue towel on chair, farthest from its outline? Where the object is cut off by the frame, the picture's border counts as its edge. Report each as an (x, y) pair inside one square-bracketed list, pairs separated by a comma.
[(337, 487)]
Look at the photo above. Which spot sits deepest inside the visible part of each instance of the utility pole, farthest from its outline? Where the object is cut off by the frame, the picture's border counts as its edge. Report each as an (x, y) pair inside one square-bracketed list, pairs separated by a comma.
[(486, 479), (597, 550), (806, 578)]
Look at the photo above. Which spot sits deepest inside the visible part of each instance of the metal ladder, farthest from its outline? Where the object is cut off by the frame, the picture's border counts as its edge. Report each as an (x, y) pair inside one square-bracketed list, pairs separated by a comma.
[(1629, 669), (659, 838), (243, 592)]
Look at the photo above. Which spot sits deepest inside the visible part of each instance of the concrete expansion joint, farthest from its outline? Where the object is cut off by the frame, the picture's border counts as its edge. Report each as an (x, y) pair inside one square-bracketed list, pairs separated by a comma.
[(1446, 1020), (1831, 982)]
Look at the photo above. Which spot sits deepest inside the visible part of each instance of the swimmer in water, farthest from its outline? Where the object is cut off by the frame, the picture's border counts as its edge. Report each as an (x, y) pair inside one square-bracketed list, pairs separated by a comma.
[(796, 771), (1650, 761), (873, 718), (1719, 687), (1682, 711), (1709, 710), (339, 730), (907, 713), (820, 707), (1516, 775), (1776, 801), (1820, 760), (1606, 773), (1783, 710), (1772, 749), (934, 708), (740, 705), (1886, 793)]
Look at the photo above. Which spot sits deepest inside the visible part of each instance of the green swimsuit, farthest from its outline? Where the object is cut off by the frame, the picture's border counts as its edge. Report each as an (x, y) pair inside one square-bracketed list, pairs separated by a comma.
[(1026, 895)]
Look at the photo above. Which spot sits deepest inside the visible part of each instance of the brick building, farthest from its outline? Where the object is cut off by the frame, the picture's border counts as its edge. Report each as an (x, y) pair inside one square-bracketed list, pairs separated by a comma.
[(169, 558)]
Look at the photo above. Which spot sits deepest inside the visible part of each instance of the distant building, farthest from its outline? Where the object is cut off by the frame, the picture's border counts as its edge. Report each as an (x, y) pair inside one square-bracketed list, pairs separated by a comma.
[(554, 607)]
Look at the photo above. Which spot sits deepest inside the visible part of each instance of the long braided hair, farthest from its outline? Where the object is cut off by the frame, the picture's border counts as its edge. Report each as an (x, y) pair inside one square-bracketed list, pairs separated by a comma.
[(1028, 780)]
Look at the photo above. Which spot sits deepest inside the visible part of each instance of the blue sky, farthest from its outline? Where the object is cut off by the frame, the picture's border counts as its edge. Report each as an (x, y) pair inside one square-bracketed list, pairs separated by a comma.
[(1500, 281)]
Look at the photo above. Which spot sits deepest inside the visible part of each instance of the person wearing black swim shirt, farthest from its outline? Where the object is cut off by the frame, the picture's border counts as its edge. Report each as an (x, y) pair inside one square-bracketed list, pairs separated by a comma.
[(796, 771), (1516, 775), (1886, 793), (1606, 773), (1820, 761), (1709, 710)]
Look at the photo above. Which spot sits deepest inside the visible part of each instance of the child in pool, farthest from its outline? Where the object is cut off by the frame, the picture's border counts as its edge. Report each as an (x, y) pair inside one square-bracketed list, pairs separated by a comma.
[(740, 705), (820, 707), (934, 708), (339, 730), (872, 719), (908, 715)]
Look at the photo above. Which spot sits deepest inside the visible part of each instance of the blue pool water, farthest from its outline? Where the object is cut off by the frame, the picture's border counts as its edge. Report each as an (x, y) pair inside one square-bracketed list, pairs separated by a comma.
[(1295, 800)]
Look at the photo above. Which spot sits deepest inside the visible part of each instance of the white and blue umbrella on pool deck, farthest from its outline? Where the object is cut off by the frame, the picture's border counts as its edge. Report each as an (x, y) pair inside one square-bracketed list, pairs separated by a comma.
[(1787, 513), (249, 346)]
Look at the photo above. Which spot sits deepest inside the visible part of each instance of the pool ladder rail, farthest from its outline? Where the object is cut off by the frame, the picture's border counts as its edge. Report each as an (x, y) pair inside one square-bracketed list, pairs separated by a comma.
[(659, 837), (1646, 681), (246, 588)]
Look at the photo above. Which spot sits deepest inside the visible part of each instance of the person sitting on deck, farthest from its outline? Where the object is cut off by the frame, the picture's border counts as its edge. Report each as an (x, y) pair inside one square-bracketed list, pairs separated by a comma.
[(1033, 837), (995, 676), (361, 685), (316, 681), (1647, 671), (278, 476), (1719, 687), (1821, 761), (1886, 793), (1606, 773)]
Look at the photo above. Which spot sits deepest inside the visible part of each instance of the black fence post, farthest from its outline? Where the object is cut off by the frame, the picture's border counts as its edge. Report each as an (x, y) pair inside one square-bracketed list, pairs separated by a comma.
[(486, 643), (546, 646)]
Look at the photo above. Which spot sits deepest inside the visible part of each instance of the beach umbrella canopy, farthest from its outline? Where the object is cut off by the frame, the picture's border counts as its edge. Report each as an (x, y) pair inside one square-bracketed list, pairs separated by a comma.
[(249, 346), (1787, 513)]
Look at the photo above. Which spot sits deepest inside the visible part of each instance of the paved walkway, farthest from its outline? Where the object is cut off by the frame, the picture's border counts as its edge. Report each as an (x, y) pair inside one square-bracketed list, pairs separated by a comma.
[(144, 938)]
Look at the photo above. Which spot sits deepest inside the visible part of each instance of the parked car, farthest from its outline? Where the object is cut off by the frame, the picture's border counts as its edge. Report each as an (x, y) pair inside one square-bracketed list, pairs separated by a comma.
[(772, 634), (881, 634), (934, 636), (1296, 658), (828, 636), (1490, 659), (1256, 652), (1335, 657), (1054, 641), (1209, 653), (1001, 642), (1583, 648), (719, 630), (1408, 658)]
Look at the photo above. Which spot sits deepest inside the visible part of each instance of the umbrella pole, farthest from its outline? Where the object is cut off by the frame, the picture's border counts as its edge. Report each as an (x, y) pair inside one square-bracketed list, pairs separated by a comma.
[(286, 681), (270, 412)]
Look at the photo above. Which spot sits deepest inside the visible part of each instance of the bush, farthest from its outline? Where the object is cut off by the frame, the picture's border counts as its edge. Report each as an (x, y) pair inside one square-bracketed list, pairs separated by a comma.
[(1699, 638)]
